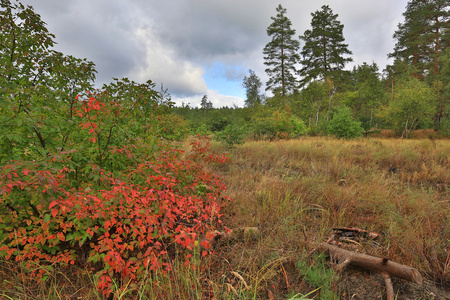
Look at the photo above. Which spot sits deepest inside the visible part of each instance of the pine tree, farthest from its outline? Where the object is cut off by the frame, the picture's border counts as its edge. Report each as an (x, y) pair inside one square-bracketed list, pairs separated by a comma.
[(324, 49), (423, 35), (421, 41), (252, 84), (205, 104), (281, 55)]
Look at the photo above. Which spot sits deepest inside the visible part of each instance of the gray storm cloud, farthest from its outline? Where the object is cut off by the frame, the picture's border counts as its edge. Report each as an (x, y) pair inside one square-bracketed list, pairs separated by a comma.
[(176, 42)]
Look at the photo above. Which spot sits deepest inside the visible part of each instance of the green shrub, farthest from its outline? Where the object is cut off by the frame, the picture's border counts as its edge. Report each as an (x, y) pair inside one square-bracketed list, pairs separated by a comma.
[(343, 125), (232, 135), (217, 123), (299, 126), (277, 124), (173, 127), (202, 130)]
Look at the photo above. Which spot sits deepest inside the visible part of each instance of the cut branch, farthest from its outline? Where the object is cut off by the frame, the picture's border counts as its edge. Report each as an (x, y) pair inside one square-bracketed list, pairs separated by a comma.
[(373, 263), (384, 266)]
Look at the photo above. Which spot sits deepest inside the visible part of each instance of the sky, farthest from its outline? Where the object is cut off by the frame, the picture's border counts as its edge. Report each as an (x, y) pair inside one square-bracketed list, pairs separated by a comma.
[(203, 47)]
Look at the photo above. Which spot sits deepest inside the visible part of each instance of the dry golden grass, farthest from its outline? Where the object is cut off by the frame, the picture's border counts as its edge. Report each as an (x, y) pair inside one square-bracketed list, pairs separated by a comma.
[(295, 191)]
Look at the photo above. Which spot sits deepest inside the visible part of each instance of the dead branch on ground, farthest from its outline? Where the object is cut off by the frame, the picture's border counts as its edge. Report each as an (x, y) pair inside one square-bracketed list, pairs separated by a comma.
[(384, 266)]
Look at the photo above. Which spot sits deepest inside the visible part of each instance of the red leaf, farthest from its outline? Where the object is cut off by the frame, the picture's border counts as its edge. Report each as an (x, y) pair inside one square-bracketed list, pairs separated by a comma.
[(61, 236), (53, 203), (205, 244), (54, 212), (90, 232)]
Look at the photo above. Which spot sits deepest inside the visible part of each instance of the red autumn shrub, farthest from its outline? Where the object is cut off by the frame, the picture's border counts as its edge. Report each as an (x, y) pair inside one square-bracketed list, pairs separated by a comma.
[(87, 180), (119, 221), (124, 227)]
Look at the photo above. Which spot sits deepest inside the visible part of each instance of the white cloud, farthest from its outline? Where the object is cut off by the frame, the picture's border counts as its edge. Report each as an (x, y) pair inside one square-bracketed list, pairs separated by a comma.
[(162, 63), (218, 100)]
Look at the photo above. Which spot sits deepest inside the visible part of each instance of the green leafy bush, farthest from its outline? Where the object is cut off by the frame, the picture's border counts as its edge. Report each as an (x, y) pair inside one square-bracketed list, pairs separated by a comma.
[(299, 126), (413, 103), (232, 135), (343, 125), (202, 130), (277, 124), (173, 127)]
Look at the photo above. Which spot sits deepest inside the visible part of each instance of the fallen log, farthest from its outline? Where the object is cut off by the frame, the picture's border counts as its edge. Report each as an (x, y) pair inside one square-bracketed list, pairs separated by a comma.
[(383, 266)]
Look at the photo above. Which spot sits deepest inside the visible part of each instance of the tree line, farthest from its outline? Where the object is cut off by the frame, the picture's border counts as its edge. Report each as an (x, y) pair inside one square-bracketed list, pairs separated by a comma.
[(312, 84)]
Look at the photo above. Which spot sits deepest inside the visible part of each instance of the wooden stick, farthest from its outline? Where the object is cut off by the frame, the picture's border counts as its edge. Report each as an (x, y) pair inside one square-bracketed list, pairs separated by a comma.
[(384, 266), (389, 286)]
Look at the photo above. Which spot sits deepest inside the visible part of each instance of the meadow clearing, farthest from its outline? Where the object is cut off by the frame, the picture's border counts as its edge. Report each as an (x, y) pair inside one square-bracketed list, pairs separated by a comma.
[(296, 191)]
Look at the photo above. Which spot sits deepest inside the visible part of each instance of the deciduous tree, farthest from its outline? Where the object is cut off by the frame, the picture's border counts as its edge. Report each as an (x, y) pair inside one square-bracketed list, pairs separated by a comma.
[(412, 104), (367, 94), (38, 85)]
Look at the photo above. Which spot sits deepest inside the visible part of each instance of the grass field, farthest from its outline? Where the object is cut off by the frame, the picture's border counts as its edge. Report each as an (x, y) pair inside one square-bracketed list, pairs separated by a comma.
[(295, 192)]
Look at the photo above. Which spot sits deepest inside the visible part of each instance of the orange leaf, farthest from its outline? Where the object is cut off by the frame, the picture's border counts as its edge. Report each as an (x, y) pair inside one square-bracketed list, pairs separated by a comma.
[(61, 236)]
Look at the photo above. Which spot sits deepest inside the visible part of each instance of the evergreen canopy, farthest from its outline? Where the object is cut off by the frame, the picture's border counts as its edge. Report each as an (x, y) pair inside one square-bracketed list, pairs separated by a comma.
[(280, 54), (423, 36), (324, 49)]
